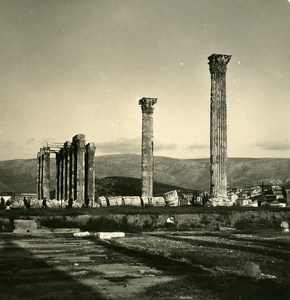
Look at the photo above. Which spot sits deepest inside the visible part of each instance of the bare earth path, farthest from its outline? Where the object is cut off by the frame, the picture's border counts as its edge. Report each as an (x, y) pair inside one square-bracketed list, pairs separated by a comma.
[(157, 265)]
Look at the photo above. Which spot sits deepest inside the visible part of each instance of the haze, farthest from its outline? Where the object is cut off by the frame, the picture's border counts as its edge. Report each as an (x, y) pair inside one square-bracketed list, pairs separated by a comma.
[(70, 67)]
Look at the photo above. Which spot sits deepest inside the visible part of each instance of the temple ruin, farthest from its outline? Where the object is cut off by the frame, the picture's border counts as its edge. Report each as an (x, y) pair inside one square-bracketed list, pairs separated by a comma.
[(75, 170), (147, 164), (218, 127)]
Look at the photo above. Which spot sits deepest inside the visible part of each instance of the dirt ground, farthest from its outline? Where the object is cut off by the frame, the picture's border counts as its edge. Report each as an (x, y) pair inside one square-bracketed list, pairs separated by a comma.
[(152, 265)]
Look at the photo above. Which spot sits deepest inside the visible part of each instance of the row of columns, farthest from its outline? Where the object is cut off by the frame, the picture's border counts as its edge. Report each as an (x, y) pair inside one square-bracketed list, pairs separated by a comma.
[(218, 132), (75, 161), (75, 171)]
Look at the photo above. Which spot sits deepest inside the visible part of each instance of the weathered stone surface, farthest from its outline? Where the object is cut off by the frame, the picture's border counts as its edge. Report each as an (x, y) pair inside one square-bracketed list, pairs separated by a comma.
[(25, 224), (285, 226), (90, 173), (66, 167), (145, 201), (82, 234), (79, 163), (252, 270), (132, 201), (115, 201), (171, 198), (218, 126), (156, 201), (102, 201), (147, 145), (109, 235), (46, 173)]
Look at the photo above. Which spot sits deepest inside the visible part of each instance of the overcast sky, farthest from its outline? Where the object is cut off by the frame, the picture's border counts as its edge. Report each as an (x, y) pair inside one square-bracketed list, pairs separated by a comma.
[(69, 67)]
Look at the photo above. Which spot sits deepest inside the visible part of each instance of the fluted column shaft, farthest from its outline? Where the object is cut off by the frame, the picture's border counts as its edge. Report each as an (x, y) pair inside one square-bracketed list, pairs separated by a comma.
[(46, 173), (71, 171), (58, 175), (66, 162), (218, 126), (90, 172), (147, 160), (61, 166), (79, 171), (38, 175)]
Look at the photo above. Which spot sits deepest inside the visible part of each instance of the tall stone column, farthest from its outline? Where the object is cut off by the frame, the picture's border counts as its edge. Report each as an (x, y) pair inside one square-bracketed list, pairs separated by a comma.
[(61, 163), (79, 172), (90, 171), (66, 158), (147, 145), (46, 173), (218, 126), (58, 175), (71, 170), (38, 175), (41, 173)]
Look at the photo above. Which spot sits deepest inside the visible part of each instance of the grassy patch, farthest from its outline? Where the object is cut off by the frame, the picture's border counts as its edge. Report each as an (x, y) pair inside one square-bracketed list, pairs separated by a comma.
[(257, 223), (221, 287), (58, 222), (110, 224)]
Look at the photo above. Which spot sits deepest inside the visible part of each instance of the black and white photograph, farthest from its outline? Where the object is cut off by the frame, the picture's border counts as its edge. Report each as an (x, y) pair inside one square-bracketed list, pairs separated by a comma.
[(145, 149)]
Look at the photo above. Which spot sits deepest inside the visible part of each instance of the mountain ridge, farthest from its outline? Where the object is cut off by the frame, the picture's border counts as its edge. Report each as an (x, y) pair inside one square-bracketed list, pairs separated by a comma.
[(19, 175)]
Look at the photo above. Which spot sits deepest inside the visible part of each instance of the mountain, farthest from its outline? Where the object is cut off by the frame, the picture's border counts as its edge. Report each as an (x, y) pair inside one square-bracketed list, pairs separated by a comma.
[(20, 175), (128, 186), (194, 173)]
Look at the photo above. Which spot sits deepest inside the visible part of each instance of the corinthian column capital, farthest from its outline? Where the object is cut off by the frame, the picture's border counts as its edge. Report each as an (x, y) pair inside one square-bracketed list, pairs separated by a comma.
[(218, 63), (147, 104)]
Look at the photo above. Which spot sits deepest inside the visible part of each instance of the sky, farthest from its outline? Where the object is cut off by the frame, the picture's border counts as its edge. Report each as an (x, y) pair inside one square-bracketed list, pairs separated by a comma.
[(70, 67)]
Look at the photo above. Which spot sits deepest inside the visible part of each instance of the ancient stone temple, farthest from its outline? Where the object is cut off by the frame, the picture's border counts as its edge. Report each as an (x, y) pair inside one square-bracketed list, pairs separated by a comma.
[(75, 170), (218, 127), (147, 145)]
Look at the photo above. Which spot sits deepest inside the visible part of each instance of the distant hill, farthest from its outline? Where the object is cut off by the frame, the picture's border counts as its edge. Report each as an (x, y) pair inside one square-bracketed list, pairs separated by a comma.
[(20, 175), (128, 186)]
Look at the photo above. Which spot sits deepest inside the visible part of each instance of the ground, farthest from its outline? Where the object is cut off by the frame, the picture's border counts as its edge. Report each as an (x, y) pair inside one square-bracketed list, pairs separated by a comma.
[(149, 265)]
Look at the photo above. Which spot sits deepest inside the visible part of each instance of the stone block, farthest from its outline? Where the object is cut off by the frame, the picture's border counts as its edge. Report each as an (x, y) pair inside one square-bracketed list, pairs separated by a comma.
[(156, 201), (132, 201), (109, 235), (115, 201), (25, 224), (102, 201), (81, 234), (171, 198)]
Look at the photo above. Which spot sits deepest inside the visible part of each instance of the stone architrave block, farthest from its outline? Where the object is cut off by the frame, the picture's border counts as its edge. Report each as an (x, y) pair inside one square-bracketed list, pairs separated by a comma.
[(115, 201), (102, 201), (132, 201), (171, 198), (109, 235), (157, 201)]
